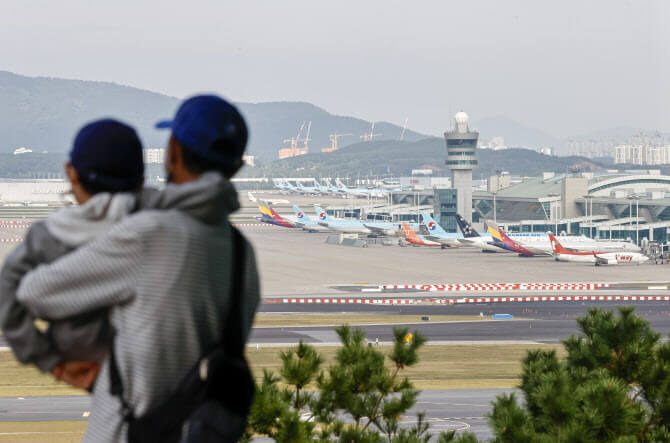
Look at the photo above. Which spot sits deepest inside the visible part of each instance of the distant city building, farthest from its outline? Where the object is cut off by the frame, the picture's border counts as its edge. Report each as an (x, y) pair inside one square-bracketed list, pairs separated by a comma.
[(461, 159), (152, 156), (642, 155), (22, 150)]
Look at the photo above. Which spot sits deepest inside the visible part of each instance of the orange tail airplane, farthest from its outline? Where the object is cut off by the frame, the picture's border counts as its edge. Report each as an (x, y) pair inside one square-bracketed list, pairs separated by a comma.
[(414, 239)]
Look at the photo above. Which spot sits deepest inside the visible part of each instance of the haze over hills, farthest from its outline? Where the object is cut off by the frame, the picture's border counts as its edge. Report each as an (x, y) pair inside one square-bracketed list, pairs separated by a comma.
[(44, 113), (363, 159)]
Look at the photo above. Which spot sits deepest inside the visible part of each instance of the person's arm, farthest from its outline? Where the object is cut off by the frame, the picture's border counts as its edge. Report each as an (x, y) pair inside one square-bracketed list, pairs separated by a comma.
[(97, 275), (29, 344)]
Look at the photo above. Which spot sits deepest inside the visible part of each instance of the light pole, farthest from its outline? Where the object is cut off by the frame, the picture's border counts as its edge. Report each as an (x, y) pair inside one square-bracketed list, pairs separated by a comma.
[(495, 212)]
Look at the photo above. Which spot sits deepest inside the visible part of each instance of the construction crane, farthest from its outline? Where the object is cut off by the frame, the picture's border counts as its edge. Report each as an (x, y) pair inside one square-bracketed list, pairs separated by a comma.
[(334, 146), (404, 128), (307, 139), (370, 136)]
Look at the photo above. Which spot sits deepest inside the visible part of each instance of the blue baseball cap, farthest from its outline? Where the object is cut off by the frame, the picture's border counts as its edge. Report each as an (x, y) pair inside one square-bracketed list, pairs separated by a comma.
[(107, 156), (205, 119)]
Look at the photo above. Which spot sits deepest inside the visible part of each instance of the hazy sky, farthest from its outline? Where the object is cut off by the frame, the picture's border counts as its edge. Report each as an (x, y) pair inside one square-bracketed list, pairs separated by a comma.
[(567, 67)]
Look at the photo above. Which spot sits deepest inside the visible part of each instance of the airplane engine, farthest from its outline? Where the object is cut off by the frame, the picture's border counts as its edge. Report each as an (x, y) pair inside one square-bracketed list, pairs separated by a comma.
[(604, 261)]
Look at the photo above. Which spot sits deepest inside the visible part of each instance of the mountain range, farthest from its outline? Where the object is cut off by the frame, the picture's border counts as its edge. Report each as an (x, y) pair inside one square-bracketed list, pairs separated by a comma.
[(44, 113)]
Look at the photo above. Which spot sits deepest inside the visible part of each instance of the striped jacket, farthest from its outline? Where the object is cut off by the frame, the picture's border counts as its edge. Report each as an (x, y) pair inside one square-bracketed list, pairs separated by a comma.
[(166, 276)]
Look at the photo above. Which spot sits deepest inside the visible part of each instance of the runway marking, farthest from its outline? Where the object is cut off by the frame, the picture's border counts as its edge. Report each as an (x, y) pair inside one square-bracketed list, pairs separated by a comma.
[(503, 287), (451, 301)]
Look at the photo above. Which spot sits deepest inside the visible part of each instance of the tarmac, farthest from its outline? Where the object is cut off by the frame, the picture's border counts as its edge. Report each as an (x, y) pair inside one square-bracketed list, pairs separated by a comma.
[(294, 263), (459, 409)]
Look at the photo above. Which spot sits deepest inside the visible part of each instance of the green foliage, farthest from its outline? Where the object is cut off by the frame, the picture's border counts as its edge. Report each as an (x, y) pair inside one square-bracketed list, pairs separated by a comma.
[(612, 386), (360, 397)]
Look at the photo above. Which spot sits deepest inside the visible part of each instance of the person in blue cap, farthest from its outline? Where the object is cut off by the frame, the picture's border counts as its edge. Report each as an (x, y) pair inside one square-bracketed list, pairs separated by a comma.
[(105, 169), (165, 274)]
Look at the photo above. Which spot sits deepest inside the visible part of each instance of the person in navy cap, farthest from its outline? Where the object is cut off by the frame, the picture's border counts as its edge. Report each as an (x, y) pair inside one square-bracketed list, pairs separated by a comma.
[(166, 274), (105, 169)]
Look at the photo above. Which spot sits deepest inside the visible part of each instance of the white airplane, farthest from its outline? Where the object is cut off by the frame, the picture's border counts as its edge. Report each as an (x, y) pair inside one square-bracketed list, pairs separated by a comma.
[(604, 258), (360, 192), (279, 201), (336, 224)]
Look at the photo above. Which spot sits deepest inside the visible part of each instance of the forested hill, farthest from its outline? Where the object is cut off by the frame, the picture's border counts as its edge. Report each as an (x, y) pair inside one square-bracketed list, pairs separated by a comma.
[(43, 114), (399, 158)]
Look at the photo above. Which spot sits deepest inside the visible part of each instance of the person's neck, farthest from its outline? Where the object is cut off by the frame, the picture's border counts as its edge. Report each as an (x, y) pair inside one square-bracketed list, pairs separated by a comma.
[(183, 176)]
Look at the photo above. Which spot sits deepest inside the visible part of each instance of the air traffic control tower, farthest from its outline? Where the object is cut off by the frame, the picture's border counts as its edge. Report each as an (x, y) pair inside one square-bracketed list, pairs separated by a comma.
[(462, 159)]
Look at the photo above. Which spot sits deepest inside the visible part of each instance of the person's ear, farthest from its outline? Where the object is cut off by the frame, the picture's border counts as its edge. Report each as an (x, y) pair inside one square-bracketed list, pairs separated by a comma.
[(172, 156), (71, 173)]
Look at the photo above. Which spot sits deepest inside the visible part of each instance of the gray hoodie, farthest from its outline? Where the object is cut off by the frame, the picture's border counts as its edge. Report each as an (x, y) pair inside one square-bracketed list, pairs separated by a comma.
[(83, 337), (165, 276)]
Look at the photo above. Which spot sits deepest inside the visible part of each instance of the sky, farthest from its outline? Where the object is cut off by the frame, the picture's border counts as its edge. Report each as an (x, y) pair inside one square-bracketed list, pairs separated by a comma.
[(567, 67)]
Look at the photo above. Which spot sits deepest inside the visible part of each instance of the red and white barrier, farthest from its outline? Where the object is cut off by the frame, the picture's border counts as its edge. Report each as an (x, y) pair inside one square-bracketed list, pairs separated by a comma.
[(521, 287), (15, 224), (11, 240), (451, 301)]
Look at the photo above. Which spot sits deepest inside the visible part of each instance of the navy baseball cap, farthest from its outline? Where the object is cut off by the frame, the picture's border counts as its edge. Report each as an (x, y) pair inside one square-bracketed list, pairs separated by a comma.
[(205, 119), (107, 156)]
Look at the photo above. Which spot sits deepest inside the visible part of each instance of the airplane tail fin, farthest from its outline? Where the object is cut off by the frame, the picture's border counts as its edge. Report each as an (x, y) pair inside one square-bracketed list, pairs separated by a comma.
[(275, 215), (430, 224), (556, 247), (494, 231), (321, 214), (409, 232), (264, 210), (340, 185), (301, 216), (466, 227)]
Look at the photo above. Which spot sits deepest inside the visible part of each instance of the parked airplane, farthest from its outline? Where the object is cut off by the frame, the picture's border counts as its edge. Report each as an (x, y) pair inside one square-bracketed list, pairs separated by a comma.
[(418, 240), (501, 240), (474, 239), (273, 201), (269, 216), (437, 234), (336, 224), (308, 189), (302, 220), (605, 258), (360, 192)]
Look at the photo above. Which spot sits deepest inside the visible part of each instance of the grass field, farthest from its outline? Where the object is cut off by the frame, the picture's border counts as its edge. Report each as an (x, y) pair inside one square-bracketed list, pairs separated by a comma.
[(19, 380), (441, 366), (278, 320), (42, 431)]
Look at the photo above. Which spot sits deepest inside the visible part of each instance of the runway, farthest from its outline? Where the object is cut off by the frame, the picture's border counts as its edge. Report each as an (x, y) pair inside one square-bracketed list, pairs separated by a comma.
[(460, 409), (538, 322)]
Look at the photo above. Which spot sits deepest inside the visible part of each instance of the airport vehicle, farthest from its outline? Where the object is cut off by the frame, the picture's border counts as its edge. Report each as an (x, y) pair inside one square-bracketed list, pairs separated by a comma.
[(474, 239), (269, 216), (417, 240), (360, 192), (437, 234), (336, 224), (302, 220), (605, 258)]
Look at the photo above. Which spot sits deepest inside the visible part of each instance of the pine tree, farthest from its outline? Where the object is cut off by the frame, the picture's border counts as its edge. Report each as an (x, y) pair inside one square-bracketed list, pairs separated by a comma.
[(359, 398), (613, 386)]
